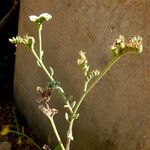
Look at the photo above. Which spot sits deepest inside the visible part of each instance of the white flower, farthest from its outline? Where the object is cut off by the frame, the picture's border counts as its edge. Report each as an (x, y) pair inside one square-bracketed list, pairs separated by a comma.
[(41, 18)]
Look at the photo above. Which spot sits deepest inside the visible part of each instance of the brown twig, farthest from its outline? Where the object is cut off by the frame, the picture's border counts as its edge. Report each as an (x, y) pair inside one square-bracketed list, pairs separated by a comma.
[(4, 20)]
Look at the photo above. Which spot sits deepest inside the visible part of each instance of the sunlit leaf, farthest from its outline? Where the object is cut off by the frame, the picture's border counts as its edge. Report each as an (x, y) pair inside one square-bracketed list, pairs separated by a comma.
[(5, 130), (58, 147)]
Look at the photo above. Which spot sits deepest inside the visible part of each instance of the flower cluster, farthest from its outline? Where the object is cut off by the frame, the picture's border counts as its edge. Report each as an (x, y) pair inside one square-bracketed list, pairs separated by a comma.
[(40, 19), (120, 47), (83, 63), (26, 40)]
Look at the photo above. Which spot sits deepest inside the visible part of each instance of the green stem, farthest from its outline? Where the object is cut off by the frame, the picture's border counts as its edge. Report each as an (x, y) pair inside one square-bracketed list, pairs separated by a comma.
[(24, 135), (42, 64), (16, 120), (111, 63), (40, 41), (56, 133), (86, 85), (66, 102), (86, 91), (72, 120), (39, 59)]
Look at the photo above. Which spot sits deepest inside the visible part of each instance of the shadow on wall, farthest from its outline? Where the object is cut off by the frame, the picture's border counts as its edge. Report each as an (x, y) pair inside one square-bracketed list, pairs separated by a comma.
[(9, 11)]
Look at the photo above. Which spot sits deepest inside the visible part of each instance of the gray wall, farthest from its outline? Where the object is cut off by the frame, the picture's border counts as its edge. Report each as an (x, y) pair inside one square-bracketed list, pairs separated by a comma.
[(116, 114)]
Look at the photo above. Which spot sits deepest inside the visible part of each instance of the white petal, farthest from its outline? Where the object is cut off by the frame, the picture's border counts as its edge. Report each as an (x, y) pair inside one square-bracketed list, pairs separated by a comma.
[(46, 16), (33, 18)]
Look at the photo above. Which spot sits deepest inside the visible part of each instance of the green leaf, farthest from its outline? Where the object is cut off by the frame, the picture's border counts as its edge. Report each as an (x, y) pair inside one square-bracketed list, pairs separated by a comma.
[(51, 71), (67, 116), (5, 130), (58, 147), (73, 104)]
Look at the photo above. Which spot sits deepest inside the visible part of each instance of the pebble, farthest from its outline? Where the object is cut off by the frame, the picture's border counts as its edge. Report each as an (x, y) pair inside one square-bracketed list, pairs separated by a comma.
[(5, 145)]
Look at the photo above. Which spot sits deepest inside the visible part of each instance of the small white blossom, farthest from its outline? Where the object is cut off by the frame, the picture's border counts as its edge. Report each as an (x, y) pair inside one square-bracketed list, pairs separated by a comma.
[(40, 19), (33, 18), (46, 16)]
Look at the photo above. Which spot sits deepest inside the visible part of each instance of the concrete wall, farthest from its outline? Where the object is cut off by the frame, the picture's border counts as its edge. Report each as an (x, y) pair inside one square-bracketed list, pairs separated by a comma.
[(116, 115)]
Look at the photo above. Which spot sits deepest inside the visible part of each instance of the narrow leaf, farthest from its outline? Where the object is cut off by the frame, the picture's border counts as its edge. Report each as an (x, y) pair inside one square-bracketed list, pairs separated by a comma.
[(73, 104), (67, 116), (51, 71)]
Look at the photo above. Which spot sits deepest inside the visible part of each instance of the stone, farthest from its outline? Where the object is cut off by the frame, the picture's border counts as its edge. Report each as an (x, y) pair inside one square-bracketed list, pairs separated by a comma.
[(5, 145)]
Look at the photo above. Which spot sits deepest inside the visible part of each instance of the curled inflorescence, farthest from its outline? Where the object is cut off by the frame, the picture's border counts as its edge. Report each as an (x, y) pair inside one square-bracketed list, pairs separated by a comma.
[(26, 40), (92, 74), (83, 62)]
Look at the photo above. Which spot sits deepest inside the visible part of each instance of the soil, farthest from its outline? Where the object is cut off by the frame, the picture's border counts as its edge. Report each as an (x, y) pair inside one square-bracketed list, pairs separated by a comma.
[(10, 117)]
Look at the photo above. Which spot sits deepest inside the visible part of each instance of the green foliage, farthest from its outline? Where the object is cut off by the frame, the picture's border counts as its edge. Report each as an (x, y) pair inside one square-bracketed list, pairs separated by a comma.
[(58, 147), (5, 130), (53, 84)]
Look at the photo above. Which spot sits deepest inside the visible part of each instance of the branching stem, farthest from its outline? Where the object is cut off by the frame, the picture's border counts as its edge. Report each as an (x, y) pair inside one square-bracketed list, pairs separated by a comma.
[(118, 49), (86, 91), (97, 79), (39, 59)]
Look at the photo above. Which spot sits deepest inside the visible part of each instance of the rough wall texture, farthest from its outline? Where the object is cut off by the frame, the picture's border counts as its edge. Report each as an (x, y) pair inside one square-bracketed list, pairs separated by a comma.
[(116, 115)]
